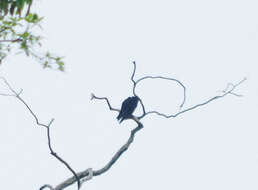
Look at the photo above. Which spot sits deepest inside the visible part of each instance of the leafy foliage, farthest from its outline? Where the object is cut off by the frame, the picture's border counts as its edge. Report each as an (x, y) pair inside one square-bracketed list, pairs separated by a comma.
[(19, 33), (16, 32)]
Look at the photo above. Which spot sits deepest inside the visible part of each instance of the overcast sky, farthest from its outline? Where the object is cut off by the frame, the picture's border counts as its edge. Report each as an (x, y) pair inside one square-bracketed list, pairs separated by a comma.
[(204, 44)]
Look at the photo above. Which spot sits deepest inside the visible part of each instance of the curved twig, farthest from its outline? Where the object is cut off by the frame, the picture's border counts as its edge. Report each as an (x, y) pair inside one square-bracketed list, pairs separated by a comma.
[(154, 77), (226, 92), (104, 98), (166, 78), (134, 87), (132, 77)]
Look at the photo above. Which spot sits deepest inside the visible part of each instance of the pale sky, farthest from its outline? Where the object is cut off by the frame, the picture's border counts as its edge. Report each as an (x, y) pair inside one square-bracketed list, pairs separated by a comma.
[(204, 44)]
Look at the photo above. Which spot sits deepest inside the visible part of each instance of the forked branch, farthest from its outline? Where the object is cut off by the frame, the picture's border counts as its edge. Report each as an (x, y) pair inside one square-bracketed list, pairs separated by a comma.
[(114, 159), (226, 91), (88, 173), (17, 95)]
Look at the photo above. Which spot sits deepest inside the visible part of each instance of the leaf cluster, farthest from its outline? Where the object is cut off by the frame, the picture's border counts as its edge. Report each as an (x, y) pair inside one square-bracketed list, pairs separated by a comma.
[(20, 33)]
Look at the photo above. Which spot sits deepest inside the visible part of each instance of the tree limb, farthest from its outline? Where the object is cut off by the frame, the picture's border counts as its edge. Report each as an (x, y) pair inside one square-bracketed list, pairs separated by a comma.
[(104, 169)]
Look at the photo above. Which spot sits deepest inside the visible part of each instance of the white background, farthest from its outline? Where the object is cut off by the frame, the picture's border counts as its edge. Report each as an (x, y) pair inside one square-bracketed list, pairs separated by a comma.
[(205, 44)]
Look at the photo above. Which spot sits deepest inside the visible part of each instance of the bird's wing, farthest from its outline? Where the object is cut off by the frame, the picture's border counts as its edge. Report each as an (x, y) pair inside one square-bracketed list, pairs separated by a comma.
[(124, 107), (130, 107)]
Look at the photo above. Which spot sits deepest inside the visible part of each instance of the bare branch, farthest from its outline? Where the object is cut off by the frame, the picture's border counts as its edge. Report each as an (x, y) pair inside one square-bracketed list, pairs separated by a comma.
[(134, 86), (232, 86), (46, 186), (135, 82), (154, 77), (117, 155), (2, 94), (104, 98), (166, 78), (17, 95), (58, 157), (132, 77), (119, 152), (226, 92), (9, 86)]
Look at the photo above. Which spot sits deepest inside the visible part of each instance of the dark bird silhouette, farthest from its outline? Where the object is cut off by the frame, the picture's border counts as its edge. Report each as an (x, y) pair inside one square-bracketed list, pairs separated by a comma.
[(128, 107)]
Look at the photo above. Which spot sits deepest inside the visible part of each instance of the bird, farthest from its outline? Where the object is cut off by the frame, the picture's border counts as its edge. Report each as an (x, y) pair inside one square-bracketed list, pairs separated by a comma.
[(127, 108)]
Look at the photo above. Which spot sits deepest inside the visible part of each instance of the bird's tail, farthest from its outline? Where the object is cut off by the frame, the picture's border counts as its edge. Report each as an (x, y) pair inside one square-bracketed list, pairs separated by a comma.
[(119, 117), (121, 120)]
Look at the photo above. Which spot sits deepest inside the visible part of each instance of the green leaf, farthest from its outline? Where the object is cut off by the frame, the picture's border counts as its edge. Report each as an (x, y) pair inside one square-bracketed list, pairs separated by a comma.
[(25, 34)]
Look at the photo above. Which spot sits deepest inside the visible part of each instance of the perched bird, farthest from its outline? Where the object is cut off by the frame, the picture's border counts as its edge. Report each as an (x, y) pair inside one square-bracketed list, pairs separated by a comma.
[(128, 107)]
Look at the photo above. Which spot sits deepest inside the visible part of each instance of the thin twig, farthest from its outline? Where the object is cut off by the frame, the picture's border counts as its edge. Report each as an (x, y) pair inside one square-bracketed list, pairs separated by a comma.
[(134, 86), (197, 105), (166, 78), (104, 98), (231, 85), (132, 77), (154, 77), (2, 94), (59, 158), (12, 41)]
